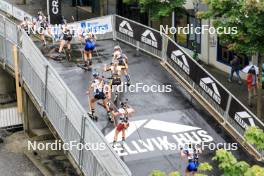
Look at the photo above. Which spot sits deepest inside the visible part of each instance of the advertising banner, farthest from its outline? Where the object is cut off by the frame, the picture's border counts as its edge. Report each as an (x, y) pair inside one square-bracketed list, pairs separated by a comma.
[(54, 11), (139, 32), (177, 58), (212, 88), (243, 117), (97, 26)]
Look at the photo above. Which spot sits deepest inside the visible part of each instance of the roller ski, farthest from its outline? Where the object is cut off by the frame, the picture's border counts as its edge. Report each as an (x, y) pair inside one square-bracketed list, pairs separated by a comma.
[(85, 66)]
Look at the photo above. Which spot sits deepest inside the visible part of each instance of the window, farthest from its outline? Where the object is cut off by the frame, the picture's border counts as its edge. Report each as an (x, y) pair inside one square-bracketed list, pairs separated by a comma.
[(225, 56), (188, 40)]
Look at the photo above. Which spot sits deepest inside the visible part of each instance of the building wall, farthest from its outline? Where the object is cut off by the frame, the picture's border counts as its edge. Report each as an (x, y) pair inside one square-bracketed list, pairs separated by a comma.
[(209, 51)]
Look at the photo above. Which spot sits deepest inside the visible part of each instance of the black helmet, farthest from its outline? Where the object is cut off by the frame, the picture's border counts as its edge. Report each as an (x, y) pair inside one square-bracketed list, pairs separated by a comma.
[(124, 104)]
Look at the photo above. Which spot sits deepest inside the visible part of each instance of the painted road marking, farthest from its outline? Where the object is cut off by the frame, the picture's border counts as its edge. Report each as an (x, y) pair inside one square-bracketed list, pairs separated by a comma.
[(169, 127)]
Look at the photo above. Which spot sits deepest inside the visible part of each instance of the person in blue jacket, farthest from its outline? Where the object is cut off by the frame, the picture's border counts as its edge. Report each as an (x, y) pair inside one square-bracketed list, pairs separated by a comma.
[(90, 40), (193, 159)]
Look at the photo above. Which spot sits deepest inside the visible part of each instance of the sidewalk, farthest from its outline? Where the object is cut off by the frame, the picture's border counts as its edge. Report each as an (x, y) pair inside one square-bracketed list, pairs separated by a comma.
[(240, 91)]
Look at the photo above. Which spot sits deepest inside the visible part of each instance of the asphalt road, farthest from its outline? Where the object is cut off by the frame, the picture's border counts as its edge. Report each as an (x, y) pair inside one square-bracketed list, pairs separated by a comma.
[(160, 118)]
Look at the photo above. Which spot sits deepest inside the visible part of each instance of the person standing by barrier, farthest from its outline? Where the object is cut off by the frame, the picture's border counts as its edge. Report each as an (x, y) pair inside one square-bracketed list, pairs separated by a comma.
[(122, 124), (235, 68), (251, 85)]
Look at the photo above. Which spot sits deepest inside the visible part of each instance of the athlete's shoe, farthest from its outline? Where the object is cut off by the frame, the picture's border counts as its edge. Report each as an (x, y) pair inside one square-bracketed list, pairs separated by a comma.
[(114, 142), (92, 116), (122, 143), (90, 63)]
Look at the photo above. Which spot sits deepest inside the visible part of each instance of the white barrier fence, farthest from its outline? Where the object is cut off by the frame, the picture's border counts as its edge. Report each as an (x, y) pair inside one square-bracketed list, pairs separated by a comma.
[(13, 11)]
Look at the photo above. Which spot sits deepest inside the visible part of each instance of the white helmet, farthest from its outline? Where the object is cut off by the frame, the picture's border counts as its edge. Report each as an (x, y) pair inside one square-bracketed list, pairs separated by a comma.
[(117, 47)]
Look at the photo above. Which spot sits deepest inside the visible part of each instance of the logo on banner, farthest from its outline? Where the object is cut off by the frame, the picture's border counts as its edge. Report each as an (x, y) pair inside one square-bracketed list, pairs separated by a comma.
[(55, 6), (95, 27), (125, 28), (176, 134), (212, 90), (179, 58), (152, 41), (244, 119)]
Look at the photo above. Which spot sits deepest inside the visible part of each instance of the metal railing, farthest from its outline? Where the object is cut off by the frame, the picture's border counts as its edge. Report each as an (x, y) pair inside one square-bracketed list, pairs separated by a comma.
[(14, 11), (61, 107)]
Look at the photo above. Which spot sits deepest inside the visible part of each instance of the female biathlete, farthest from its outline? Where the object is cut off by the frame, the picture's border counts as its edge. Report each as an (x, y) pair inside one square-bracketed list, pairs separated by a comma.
[(66, 39), (122, 114), (122, 60), (90, 40), (115, 79), (43, 24), (98, 91), (193, 160), (26, 25)]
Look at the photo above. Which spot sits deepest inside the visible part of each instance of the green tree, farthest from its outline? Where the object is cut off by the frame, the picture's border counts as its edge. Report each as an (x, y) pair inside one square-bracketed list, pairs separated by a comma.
[(158, 8), (255, 136), (157, 173), (255, 171), (229, 164), (175, 174), (247, 17), (204, 167)]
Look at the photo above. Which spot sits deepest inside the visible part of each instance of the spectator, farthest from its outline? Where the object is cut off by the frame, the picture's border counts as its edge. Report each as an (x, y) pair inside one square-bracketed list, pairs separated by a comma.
[(252, 85), (235, 67)]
